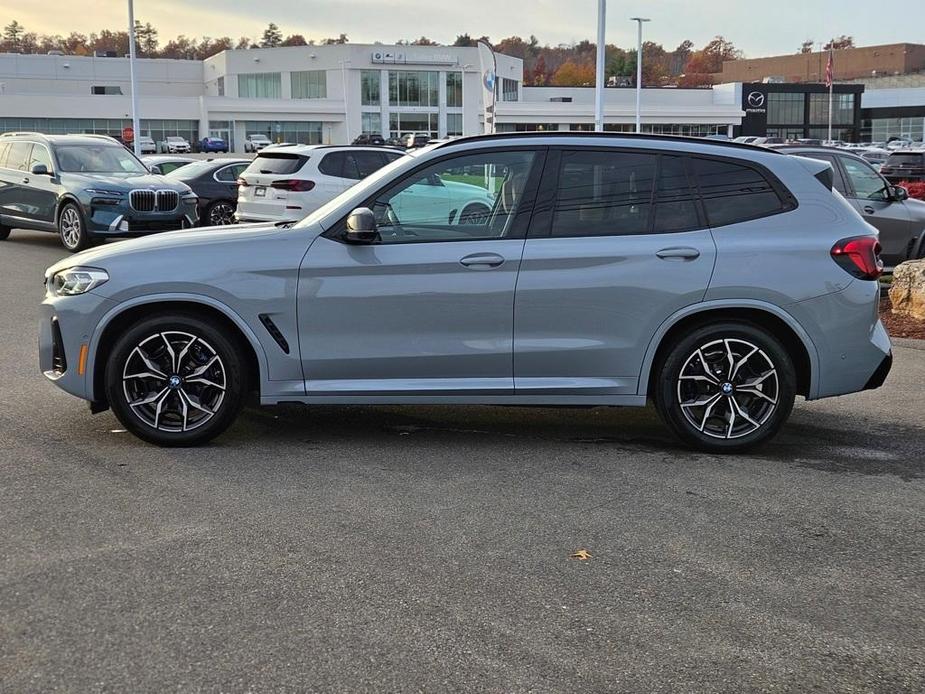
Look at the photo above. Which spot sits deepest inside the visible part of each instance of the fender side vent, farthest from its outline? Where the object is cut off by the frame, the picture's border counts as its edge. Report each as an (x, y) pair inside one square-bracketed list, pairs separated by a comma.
[(274, 332)]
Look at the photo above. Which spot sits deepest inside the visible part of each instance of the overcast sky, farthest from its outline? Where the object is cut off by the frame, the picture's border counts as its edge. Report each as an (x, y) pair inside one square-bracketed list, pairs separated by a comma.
[(758, 28)]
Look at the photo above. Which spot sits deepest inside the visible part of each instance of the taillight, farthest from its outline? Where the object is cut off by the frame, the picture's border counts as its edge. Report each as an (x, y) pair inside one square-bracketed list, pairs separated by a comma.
[(242, 183), (295, 185), (859, 256)]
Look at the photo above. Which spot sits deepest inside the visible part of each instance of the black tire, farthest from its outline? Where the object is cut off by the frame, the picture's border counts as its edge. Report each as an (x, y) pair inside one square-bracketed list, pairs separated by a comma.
[(219, 208), (740, 399), (4, 233), (72, 228), (185, 411)]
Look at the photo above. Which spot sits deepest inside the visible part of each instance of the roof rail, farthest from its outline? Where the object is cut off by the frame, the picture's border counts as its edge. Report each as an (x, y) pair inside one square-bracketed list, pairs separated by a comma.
[(24, 133), (610, 135)]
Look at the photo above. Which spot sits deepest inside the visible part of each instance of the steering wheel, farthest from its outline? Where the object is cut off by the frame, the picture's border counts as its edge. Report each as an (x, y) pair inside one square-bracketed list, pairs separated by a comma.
[(394, 227)]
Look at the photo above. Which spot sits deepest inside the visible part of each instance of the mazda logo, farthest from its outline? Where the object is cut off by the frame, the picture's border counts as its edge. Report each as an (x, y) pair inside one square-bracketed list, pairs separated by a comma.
[(756, 99)]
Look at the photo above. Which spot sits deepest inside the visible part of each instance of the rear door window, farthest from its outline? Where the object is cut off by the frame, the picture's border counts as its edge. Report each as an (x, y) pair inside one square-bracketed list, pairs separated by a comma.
[(332, 164), (276, 163), (734, 192), (367, 162), (18, 156)]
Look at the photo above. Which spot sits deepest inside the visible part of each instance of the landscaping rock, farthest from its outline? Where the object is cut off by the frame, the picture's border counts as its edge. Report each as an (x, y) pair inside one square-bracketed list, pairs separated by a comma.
[(907, 293)]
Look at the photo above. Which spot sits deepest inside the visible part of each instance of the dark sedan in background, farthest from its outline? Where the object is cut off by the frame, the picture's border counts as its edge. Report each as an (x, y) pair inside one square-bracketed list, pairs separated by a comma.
[(215, 183)]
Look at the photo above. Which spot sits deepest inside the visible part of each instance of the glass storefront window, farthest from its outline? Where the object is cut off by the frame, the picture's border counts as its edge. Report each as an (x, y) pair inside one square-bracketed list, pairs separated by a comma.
[(372, 123), (454, 89), (300, 132), (157, 129), (369, 87), (786, 109), (260, 85), (309, 84), (454, 124), (882, 129), (525, 127), (413, 88), (404, 123), (842, 109)]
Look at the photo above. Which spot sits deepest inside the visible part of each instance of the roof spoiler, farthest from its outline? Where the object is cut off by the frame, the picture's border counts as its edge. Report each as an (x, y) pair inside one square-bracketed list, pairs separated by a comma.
[(822, 171)]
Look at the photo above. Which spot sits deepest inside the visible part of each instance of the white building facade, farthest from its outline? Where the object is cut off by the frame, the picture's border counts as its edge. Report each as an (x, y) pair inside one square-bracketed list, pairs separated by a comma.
[(326, 94)]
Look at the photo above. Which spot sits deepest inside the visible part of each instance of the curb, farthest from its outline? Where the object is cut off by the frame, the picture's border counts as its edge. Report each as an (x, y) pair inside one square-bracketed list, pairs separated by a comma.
[(908, 343)]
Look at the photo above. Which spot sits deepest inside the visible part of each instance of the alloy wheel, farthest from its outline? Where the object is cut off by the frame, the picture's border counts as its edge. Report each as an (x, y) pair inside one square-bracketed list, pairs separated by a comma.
[(70, 227), (174, 381), (220, 214), (728, 388)]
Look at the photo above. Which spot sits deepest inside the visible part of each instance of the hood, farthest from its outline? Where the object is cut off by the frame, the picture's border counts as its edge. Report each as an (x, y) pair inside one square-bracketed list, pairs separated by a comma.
[(166, 241), (127, 181)]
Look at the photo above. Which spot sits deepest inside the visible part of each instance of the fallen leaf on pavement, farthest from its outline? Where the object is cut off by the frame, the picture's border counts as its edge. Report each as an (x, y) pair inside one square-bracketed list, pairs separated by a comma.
[(582, 555)]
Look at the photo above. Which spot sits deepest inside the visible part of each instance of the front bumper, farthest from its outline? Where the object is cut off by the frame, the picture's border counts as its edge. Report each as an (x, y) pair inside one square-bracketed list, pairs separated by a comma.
[(122, 220)]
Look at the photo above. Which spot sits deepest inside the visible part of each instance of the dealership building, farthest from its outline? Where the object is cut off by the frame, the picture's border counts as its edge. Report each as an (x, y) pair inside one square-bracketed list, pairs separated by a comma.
[(331, 94)]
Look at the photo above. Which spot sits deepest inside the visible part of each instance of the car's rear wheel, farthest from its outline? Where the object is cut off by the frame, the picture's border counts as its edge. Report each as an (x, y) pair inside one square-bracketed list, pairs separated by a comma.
[(725, 387), (72, 229), (219, 213), (176, 380)]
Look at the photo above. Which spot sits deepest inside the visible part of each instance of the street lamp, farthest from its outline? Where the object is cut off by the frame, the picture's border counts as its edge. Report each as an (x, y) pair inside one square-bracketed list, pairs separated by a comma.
[(599, 78), (639, 21), (136, 128)]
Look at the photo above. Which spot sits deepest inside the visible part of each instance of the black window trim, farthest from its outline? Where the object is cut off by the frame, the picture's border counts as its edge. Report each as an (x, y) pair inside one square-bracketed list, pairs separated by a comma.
[(522, 219)]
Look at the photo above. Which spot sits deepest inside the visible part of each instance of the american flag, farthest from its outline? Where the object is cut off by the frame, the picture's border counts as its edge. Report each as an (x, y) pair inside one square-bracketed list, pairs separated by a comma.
[(830, 69)]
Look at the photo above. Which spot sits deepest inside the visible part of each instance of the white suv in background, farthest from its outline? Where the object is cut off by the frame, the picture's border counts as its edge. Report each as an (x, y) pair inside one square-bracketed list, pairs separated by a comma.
[(287, 182), (256, 142), (176, 145)]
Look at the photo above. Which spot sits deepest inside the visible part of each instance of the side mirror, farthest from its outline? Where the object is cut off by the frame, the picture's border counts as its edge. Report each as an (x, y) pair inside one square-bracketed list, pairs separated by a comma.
[(899, 193), (155, 169), (40, 170), (362, 227)]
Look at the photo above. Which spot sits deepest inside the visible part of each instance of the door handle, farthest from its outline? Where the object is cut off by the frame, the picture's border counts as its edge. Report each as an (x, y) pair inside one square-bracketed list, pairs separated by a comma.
[(25, 179), (868, 209), (482, 261), (678, 253)]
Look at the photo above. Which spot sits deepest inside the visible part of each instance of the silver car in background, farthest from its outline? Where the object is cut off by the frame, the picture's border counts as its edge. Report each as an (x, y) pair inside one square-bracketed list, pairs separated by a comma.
[(718, 280)]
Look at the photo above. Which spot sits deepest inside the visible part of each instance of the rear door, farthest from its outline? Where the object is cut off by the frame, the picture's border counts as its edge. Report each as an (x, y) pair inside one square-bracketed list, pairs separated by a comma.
[(13, 194), (617, 244), (868, 191)]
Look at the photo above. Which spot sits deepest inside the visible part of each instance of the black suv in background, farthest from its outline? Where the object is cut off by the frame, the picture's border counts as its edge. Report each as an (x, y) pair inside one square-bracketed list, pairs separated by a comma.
[(899, 219), (908, 165), (84, 187)]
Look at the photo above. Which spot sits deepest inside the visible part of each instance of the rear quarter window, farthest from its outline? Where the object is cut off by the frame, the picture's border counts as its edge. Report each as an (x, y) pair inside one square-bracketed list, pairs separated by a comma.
[(276, 163), (735, 192)]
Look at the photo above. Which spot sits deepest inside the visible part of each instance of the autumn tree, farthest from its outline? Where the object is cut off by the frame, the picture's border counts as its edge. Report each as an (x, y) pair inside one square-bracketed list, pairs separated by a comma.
[(572, 74), (335, 41), (272, 36), (424, 41), (464, 40), (807, 46), (840, 43), (294, 40), (12, 35)]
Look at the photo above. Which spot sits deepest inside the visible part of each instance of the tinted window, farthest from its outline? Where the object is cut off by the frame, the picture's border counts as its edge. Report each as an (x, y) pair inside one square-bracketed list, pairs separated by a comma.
[(367, 162), (866, 182), (333, 165), (675, 200), (4, 148), (276, 163), (476, 196), (733, 192), (604, 193), (393, 156), (18, 156), (230, 174), (907, 159)]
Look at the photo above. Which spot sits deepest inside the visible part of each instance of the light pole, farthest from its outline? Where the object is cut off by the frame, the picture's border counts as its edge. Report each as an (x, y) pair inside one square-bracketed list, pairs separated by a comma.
[(343, 76), (639, 21), (136, 128), (599, 78)]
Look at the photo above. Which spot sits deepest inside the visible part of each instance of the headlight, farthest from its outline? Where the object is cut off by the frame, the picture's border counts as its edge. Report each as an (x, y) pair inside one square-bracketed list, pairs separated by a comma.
[(104, 191), (189, 197), (77, 280)]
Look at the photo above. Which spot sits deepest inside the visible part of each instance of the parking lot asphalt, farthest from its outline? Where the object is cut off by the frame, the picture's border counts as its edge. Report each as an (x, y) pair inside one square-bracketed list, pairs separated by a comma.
[(428, 549)]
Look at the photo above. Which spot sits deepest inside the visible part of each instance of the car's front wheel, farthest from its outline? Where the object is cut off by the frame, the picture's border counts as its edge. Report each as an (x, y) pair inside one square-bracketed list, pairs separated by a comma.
[(176, 380), (725, 387), (4, 233), (72, 229)]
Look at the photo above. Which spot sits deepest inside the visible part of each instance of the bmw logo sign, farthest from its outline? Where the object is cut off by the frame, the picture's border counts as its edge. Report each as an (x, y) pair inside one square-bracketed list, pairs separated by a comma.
[(488, 79), (756, 99)]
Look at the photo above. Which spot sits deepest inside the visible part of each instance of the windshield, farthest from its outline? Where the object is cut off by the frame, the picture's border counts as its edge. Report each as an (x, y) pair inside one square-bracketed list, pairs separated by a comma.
[(98, 159), (361, 190), (174, 139), (259, 138)]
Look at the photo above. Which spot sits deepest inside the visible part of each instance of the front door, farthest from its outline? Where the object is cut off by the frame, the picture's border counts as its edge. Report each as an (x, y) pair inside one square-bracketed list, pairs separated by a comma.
[(618, 244), (428, 309), (869, 193)]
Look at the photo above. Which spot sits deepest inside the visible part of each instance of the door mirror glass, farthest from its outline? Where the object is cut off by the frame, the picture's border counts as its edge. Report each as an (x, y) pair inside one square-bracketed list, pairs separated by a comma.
[(361, 226), (155, 169), (40, 170), (899, 193)]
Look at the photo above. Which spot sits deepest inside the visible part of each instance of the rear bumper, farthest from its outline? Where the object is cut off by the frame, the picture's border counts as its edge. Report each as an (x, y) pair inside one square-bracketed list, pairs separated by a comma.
[(879, 376), (250, 211)]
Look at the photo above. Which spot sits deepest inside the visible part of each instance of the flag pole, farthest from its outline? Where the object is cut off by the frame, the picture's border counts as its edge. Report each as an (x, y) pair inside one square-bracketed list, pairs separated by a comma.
[(830, 77)]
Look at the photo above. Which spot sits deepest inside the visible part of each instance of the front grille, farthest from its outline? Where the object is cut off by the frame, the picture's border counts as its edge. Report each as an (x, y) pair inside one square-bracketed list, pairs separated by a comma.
[(58, 360), (167, 200), (154, 200)]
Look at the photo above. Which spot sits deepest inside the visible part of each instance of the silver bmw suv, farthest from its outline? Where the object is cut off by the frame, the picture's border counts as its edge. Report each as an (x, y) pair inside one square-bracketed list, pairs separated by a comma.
[(718, 280)]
